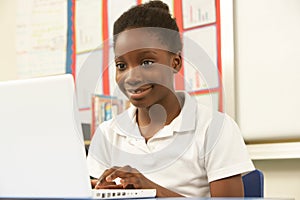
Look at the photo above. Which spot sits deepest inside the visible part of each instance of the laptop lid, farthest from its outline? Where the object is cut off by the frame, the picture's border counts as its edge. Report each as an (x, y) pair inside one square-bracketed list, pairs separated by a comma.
[(41, 145)]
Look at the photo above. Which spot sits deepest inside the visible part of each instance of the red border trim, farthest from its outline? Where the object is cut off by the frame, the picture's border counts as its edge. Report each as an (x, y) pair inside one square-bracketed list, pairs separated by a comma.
[(179, 78), (205, 91), (105, 71), (200, 26), (84, 109), (219, 53)]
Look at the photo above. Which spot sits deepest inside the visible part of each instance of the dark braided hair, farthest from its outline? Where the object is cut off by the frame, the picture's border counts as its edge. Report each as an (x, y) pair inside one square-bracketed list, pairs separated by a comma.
[(151, 14)]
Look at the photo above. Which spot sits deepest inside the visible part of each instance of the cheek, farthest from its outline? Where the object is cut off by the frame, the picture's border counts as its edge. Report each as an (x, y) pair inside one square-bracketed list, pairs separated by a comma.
[(120, 81), (118, 77), (161, 76)]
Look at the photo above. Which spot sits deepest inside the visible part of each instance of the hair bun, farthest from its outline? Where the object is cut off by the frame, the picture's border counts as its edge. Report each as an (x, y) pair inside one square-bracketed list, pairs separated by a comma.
[(157, 4)]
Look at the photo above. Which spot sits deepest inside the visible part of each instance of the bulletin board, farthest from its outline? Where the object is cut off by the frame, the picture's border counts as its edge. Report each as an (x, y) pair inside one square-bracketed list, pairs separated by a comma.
[(44, 38), (198, 21)]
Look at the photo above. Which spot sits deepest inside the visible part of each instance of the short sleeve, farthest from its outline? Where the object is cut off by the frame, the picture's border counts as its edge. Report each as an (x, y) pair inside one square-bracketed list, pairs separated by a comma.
[(225, 150), (98, 158)]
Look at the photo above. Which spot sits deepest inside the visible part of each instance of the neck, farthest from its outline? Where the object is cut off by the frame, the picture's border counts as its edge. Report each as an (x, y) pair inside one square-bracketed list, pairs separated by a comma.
[(154, 118)]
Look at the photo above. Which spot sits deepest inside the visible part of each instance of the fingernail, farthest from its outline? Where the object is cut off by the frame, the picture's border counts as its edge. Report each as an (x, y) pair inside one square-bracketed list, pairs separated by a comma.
[(98, 182)]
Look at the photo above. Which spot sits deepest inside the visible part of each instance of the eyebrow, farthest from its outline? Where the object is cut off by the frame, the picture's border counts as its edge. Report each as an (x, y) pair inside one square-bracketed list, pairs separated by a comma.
[(141, 52)]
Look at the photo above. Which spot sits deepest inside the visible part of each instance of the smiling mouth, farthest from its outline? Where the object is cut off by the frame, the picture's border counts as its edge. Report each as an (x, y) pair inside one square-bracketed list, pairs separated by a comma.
[(139, 90)]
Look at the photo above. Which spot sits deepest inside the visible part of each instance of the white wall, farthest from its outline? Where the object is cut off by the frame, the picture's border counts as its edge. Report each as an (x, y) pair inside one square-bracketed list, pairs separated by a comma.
[(7, 39), (267, 67), (282, 177)]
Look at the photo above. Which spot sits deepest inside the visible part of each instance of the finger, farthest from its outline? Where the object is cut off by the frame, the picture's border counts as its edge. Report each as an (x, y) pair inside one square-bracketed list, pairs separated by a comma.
[(129, 186), (107, 172), (104, 183), (131, 183), (109, 187), (94, 182), (122, 172)]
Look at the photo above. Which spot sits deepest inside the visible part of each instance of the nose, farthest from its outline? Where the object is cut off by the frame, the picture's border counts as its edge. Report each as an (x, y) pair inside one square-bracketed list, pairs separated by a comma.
[(134, 76)]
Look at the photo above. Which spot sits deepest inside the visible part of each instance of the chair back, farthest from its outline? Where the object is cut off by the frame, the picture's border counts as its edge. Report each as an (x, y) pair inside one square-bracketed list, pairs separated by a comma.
[(253, 184)]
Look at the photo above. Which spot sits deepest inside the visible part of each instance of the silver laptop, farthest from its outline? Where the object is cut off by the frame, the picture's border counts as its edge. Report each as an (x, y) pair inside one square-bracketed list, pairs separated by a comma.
[(41, 143)]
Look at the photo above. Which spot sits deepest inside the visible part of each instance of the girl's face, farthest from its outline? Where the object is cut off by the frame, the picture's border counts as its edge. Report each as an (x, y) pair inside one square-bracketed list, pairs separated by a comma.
[(144, 68)]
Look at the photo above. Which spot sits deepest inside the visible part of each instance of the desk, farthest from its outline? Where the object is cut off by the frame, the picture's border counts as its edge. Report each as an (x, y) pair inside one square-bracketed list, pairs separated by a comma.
[(221, 198), (170, 198)]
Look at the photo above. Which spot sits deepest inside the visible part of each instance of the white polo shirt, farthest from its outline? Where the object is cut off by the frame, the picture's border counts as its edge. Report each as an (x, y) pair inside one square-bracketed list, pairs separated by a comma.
[(197, 147)]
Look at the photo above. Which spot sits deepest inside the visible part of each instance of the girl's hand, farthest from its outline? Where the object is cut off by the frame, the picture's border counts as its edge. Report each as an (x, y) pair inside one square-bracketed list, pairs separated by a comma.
[(130, 178), (102, 183)]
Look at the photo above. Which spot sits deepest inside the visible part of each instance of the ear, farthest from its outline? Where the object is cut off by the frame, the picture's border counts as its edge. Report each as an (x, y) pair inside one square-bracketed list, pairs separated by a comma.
[(176, 62)]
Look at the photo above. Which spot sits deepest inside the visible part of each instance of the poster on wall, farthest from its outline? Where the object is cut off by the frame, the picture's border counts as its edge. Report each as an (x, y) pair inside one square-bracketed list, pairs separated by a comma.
[(115, 9), (204, 42), (197, 13), (41, 37), (88, 25)]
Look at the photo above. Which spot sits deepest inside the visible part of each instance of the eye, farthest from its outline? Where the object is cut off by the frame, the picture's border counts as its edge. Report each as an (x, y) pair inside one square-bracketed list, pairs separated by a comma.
[(147, 63), (120, 66)]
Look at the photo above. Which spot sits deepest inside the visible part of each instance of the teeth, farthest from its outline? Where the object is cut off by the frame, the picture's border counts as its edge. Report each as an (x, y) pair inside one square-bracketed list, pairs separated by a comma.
[(137, 91)]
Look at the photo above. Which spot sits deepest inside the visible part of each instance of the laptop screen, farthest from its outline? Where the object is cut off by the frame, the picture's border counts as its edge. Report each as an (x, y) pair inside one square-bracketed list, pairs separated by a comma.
[(41, 144)]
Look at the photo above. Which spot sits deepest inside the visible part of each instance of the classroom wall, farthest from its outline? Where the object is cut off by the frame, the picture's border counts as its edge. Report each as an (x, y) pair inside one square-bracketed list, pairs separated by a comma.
[(282, 176), (7, 40), (268, 69), (267, 64)]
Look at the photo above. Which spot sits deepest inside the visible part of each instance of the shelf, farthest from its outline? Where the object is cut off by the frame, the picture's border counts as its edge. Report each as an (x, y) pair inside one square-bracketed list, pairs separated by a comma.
[(287, 150)]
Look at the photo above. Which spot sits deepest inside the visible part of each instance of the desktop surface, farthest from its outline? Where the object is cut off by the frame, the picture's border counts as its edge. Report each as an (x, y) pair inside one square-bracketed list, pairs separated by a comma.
[(170, 198)]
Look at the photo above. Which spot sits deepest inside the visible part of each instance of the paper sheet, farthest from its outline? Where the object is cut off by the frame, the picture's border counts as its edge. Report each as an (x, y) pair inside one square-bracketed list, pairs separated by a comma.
[(41, 37), (196, 13), (204, 44), (88, 25), (115, 9)]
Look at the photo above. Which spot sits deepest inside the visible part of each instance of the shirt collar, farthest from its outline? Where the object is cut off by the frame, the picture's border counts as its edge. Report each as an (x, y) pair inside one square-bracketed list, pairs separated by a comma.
[(186, 120), (125, 123)]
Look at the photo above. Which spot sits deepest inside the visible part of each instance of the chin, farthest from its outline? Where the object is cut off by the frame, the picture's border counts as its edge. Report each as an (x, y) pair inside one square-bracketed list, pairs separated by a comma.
[(140, 103)]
